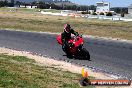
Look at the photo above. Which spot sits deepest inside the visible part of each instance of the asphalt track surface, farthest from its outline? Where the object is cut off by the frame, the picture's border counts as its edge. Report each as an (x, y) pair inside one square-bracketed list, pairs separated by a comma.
[(107, 55)]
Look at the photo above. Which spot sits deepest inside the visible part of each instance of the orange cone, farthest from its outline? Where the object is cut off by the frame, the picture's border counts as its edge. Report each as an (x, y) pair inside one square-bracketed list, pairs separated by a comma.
[(86, 74)]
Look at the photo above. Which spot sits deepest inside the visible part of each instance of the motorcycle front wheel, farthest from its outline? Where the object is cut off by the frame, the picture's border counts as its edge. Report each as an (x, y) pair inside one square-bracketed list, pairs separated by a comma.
[(85, 54)]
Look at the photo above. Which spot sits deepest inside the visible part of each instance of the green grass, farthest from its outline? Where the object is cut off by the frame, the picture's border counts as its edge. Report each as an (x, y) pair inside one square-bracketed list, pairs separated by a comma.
[(21, 72), (26, 20), (29, 10)]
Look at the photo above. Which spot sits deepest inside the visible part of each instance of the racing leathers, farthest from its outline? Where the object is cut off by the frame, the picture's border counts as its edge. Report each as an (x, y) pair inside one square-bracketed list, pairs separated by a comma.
[(65, 38)]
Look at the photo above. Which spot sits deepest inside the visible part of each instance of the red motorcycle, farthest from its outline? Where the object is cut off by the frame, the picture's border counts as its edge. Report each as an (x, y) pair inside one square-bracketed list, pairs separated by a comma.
[(76, 47)]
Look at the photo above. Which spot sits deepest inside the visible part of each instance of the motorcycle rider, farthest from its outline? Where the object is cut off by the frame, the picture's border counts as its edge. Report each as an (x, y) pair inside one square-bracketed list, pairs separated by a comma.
[(65, 36)]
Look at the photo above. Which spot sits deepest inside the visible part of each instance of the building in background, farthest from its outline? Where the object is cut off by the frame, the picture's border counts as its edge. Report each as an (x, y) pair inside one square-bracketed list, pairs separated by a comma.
[(102, 7), (130, 9)]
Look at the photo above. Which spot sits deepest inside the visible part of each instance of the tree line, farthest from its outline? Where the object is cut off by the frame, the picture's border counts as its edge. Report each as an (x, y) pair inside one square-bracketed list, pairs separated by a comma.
[(52, 5), (120, 10), (45, 5), (6, 3)]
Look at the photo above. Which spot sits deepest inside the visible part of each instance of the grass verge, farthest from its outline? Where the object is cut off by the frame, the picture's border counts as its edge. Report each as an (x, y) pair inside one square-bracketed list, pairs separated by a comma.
[(21, 72), (31, 20)]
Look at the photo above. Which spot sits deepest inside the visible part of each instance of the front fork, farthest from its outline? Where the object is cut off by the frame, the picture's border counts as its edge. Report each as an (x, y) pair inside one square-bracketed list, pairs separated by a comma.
[(79, 49)]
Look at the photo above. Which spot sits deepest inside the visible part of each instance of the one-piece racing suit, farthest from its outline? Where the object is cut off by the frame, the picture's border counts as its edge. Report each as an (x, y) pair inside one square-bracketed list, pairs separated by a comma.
[(65, 37)]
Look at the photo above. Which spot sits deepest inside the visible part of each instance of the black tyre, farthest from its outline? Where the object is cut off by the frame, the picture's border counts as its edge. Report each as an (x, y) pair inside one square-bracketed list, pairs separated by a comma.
[(86, 54), (84, 82)]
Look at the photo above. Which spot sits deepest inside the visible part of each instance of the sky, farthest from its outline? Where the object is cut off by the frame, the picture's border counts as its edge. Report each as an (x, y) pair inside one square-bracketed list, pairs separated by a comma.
[(114, 3)]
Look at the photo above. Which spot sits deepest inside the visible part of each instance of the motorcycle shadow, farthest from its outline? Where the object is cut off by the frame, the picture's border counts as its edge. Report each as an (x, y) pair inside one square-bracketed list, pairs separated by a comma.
[(82, 58), (77, 57)]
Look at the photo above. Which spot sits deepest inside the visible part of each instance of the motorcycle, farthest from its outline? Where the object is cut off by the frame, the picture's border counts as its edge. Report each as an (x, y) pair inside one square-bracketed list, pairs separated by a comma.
[(76, 48)]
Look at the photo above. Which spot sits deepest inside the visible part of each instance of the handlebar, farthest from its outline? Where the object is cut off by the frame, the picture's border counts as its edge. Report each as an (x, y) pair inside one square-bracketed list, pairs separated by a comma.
[(76, 38)]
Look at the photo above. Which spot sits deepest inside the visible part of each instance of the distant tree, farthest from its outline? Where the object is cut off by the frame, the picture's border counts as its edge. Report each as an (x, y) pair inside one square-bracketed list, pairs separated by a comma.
[(74, 7), (4, 3), (34, 3), (101, 13), (69, 7), (53, 6), (109, 14), (120, 10), (85, 12), (94, 13), (92, 7), (124, 10), (41, 5), (122, 14), (47, 6), (83, 8), (17, 2), (89, 12)]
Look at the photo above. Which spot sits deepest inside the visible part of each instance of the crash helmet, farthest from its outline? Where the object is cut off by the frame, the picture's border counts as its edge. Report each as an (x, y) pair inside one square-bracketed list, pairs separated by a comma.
[(67, 28)]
